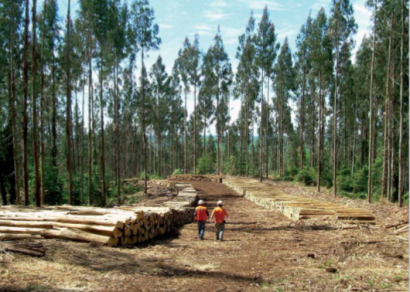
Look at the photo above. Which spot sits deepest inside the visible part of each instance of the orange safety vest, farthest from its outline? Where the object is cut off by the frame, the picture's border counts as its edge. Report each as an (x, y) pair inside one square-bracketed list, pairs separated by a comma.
[(220, 214), (201, 213)]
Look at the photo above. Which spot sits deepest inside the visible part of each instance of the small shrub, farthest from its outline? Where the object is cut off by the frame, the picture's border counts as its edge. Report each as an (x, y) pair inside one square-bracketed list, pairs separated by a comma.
[(131, 189), (142, 176), (177, 172), (205, 165), (360, 179), (307, 176)]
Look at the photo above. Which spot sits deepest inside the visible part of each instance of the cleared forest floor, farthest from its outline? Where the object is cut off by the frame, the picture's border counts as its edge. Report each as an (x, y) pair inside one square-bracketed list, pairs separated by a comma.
[(263, 251)]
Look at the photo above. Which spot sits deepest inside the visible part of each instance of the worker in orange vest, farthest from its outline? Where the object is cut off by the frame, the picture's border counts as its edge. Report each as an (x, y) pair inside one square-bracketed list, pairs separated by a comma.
[(201, 215), (220, 215)]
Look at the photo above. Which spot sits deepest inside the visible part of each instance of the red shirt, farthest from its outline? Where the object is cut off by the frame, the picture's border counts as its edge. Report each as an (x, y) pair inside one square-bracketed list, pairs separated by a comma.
[(201, 213), (219, 213)]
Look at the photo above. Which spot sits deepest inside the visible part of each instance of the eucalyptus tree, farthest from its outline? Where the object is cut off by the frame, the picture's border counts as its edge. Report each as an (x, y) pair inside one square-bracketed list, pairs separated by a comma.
[(37, 185), (195, 58), (117, 35), (222, 73), (52, 39), (10, 32), (146, 39), (320, 59), (341, 28), (401, 140), (285, 83), (85, 22), (206, 106), (266, 51), (68, 106), (24, 107), (303, 66), (248, 76), (160, 82), (183, 63), (177, 114)]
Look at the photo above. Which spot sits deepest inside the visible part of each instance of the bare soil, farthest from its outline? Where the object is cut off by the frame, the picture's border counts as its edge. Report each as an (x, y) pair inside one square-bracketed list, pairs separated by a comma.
[(263, 251)]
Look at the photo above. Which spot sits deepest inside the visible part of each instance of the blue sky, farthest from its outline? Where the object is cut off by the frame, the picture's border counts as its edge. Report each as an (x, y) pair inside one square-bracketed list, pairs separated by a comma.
[(180, 18)]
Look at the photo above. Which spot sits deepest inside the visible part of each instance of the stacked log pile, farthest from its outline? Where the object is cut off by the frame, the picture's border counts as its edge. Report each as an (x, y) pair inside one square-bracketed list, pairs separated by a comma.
[(196, 177), (295, 208), (123, 225)]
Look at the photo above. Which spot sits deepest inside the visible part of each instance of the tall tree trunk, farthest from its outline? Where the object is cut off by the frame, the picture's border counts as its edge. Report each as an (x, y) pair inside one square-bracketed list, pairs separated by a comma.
[(24, 113), (68, 111), (42, 113), (321, 122), (354, 138), (302, 121), (247, 132), (117, 134), (204, 134), (103, 184), (218, 154), (335, 119), (143, 120), (82, 143), (90, 123), (386, 116), (261, 135), (369, 182), (267, 133), (34, 106), (392, 139), (13, 108), (185, 133), (195, 128), (401, 141)]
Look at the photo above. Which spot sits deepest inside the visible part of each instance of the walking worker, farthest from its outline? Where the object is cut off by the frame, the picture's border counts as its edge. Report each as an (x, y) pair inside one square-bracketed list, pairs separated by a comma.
[(201, 215), (220, 215)]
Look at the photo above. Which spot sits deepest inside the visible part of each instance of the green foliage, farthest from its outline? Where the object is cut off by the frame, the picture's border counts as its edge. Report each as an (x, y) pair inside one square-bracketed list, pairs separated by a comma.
[(290, 174), (230, 165), (307, 176), (131, 189), (345, 181), (406, 198), (142, 176), (176, 172), (360, 180), (205, 165)]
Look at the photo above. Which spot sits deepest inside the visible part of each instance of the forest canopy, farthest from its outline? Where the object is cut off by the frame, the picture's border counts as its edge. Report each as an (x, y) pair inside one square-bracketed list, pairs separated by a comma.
[(312, 115)]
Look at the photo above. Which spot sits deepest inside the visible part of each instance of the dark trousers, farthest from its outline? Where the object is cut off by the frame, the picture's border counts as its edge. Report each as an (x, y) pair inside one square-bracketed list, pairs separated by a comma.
[(201, 229), (220, 228)]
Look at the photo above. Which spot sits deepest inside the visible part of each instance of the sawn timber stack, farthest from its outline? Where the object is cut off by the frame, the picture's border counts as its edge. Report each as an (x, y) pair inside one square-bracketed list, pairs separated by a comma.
[(123, 225), (294, 207)]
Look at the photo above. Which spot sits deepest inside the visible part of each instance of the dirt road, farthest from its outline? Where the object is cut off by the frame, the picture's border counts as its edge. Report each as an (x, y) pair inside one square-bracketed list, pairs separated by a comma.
[(262, 251)]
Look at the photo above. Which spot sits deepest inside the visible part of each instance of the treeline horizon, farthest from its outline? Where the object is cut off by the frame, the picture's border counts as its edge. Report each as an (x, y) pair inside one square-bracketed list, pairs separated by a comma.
[(350, 134)]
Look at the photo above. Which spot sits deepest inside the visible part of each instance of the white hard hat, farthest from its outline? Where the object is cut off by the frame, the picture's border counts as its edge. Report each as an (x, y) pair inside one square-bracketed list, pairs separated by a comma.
[(200, 202), (219, 203)]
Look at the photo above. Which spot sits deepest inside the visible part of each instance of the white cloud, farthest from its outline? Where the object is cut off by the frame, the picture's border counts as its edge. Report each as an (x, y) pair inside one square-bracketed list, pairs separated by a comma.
[(215, 15), (203, 27), (231, 32), (202, 32), (260, 5), (218, 3), (165, 26)]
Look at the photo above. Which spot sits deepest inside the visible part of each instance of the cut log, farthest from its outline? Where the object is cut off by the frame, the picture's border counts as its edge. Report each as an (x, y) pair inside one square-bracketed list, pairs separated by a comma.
[(20, 230), (29, 224), (10, 236), (26, 251), (76, 235)]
